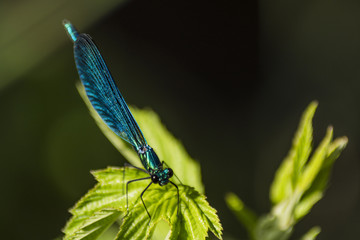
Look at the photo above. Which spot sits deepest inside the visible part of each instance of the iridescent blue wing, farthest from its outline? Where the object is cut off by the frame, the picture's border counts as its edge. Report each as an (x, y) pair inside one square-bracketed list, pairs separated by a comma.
[(102, 92)]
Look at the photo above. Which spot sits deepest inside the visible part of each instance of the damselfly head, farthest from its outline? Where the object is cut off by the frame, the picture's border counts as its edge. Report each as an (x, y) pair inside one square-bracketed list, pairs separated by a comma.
[(162, 177)]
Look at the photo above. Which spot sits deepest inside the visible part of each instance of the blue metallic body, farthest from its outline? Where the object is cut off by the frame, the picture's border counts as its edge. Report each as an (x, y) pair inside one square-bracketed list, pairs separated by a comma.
[(105, 97)]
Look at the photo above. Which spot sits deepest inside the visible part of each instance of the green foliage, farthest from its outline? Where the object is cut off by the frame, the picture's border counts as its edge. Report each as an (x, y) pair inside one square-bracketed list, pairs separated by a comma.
[(106, 202), (105, 205), (311, 234), (299, 183)]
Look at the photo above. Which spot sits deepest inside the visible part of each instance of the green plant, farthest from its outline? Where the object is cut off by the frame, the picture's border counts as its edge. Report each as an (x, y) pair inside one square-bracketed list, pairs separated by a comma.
[(105, 205), (299, 183)]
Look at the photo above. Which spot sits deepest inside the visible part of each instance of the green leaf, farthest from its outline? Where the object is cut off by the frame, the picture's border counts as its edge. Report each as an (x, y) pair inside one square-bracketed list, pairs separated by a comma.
[(284, 212), (109, 193), (306, 203), (299, 183), (167, 147), (287, 175), (281, 187), (94, 225), (196, 216), (315, 164), (244, 214), (268, 228), (312, 234), (302, 142), (334, 150), (102, 206), (315, 192)]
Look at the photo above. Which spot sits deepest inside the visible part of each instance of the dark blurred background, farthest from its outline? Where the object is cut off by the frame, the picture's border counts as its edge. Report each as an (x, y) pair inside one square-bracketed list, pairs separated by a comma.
[(230, 79)]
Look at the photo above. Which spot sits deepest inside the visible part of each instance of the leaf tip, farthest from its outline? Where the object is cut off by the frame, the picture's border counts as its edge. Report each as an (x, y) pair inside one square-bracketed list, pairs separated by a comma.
[(330, 128), (313, 106), (234, 202), (315, 102)]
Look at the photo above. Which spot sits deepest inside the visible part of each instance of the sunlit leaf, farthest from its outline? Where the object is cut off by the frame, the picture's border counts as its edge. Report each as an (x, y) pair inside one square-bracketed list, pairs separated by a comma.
[(268, 228), (315, 164), (311, 234), (299, 183), (289, 171), (109, 193), (318, 186), (284, 211), (306, 203), (302, 141), (194, 221), (93, 226), (102, 206), (281, 186)]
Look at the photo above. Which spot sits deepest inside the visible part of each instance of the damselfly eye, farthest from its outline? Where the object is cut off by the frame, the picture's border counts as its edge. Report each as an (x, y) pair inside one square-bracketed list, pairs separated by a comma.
[(170, 172), (154, 179)]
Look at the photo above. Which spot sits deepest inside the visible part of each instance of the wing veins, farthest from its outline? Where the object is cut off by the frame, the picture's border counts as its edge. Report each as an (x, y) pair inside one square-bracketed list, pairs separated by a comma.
[(103, 93)]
